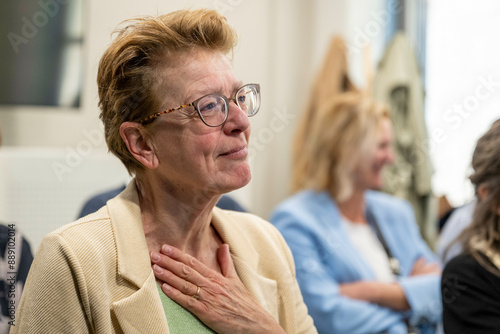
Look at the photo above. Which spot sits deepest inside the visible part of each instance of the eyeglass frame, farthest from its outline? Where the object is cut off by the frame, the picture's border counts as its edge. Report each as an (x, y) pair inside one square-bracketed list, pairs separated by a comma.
[(194, 104)]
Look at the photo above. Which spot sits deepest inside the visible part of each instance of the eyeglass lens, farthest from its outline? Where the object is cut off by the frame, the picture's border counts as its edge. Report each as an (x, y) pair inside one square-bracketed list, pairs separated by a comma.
[(213, 108)]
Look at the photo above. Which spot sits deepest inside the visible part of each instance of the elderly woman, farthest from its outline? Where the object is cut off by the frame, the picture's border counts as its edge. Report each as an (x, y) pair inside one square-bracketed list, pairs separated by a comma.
[(177, 117), (471, 281), (361, 263)]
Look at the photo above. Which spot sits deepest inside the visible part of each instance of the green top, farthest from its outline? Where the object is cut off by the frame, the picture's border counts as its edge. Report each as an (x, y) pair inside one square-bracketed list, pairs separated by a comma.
[(180, 320)]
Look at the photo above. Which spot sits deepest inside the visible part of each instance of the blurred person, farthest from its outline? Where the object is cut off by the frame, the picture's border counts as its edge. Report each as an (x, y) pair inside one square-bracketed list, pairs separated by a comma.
[(15, 262), (160, 257), (361, 262), (471, 281), (457, 222)]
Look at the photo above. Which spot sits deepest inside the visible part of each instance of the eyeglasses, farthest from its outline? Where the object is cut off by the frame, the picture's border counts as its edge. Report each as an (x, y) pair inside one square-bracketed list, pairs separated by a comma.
[(213, 108)]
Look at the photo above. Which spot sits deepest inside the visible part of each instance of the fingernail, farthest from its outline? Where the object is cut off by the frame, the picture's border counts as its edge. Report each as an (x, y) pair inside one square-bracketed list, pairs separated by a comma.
[(157, 269), (166, 287), (167, 249), (155, 257)]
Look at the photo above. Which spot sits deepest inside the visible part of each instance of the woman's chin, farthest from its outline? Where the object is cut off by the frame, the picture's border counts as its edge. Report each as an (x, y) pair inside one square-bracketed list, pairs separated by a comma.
[(242, 178), (378, 185), (234, 179)]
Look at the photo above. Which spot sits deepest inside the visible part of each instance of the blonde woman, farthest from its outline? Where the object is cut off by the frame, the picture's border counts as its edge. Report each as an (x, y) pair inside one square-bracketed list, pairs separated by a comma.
[(471, 281), (361, 263)]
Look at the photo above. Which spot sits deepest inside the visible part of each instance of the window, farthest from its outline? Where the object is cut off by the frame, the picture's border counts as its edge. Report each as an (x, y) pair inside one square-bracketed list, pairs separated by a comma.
[(463, 87), (41, 52)]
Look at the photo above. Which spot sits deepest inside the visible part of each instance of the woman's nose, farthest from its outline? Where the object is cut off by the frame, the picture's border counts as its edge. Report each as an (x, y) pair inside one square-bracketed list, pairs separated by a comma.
[(237, 119)]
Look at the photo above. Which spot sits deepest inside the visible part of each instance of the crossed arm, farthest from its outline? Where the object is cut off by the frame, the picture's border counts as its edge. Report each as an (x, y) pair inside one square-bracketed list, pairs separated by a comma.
[(390, 295)]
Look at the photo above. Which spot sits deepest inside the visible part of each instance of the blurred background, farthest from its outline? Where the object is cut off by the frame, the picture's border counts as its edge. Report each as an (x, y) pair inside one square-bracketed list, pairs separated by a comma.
[(54, 157)]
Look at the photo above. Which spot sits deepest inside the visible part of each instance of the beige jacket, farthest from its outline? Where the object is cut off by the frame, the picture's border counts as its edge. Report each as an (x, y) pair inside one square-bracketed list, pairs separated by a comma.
[(95, 276)]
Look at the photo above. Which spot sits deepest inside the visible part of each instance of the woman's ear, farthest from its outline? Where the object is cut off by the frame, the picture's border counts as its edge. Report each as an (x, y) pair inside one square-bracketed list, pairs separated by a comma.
[(139, 144), (482, 191)]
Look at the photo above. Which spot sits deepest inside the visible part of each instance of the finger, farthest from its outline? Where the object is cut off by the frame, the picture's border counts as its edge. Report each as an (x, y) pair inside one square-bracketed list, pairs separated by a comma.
[(226, 262), (179, 256), (418, 264), (430, 265), (177, 268), (188, 302), (435, 264), (434, 267), (178, 283), (416, 267)]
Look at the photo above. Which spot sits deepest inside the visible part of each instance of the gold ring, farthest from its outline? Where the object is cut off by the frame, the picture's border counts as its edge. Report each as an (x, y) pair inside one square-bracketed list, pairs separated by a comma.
[(197, 294)]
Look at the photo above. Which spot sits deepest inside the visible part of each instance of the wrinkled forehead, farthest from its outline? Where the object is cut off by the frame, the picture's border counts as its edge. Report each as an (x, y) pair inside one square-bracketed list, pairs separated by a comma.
[(185, 76)]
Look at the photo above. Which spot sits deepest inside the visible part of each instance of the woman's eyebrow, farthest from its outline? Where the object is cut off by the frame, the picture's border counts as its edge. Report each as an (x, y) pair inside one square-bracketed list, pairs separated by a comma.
[(219, 90), (237, 85)]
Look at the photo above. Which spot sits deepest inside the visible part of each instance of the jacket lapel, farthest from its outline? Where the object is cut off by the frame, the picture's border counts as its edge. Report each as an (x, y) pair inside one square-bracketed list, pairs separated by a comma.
[(134, 266), (144, 302), (246, 260)]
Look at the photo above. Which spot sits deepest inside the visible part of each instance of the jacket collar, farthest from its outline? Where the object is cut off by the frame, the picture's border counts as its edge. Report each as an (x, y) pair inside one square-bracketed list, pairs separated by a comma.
[(134, 265), (246, 260), (239, 247), (132, 250)]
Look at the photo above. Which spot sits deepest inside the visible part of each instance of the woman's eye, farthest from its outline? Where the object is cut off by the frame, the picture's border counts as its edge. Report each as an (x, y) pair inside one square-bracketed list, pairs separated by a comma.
[(242, 98), (208, 107)]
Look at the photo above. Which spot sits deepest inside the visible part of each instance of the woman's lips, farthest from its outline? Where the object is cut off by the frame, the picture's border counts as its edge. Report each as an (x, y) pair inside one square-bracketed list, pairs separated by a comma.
[(236, 153)]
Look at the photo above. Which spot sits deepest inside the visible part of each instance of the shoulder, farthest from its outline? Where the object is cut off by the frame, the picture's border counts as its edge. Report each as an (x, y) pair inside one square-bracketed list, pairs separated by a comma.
[(467, 268), (88, 222), (390, 209), (304, 208), (463, 265), (465, 279), (464, 275), (76, 251), (90, 234), (308, 220)]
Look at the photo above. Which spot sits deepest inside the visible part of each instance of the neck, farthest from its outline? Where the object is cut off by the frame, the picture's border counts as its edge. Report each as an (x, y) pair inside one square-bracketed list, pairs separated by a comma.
[(178, 218), (353, 208)]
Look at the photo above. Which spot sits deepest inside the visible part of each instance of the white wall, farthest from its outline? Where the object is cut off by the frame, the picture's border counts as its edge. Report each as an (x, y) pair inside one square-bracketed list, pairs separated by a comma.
[(281, 44)]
